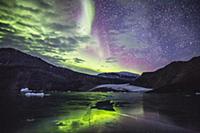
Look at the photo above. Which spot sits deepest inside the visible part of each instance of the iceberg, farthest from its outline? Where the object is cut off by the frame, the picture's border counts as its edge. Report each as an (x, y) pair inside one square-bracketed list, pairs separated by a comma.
[(25, 90), (31, 94), (197, 93)]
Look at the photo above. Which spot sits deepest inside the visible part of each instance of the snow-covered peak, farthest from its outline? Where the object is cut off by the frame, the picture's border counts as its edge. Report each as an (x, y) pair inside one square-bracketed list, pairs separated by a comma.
[(121, 75)]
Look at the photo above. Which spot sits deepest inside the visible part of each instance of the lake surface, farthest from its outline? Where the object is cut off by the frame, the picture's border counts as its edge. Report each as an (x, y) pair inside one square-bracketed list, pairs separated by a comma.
[(75, 113)]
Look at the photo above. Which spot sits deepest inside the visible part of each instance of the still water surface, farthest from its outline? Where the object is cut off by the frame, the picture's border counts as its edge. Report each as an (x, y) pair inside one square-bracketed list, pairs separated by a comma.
[(79, 112)]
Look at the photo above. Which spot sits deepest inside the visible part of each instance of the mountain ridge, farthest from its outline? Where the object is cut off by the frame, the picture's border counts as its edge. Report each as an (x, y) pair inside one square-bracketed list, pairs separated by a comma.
[(178, 76), (19, 70)]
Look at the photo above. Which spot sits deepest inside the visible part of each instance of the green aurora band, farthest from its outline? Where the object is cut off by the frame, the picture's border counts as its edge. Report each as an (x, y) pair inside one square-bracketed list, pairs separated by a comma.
[(44, 29)]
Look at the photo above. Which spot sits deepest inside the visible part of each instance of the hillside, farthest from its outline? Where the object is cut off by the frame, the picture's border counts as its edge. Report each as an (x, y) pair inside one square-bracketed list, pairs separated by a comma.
[(180, 76)]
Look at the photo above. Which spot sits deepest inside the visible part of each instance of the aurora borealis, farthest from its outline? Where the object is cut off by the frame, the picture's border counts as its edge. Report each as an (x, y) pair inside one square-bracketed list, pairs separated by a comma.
[(94, 36)]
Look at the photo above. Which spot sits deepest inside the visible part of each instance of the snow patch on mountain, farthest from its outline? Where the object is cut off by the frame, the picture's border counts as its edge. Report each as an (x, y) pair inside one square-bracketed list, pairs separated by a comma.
[(120, 88)]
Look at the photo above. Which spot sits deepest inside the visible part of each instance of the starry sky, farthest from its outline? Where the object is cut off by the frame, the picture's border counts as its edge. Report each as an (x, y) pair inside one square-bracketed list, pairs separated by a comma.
[(93, 36)]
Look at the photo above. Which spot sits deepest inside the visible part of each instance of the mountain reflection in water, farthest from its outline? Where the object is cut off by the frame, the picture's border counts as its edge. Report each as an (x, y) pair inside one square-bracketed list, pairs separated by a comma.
[(100, 112)]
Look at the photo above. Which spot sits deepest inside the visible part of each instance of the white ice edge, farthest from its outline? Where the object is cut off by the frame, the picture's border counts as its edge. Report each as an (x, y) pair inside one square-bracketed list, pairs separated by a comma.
[(29, 93), (122, 87)]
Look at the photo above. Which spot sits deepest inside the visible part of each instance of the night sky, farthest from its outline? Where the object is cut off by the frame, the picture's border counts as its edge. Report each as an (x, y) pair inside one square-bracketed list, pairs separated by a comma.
[(103, 35)]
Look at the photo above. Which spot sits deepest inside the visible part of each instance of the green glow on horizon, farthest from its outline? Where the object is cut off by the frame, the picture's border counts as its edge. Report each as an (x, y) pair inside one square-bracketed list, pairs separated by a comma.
[(87, 17)]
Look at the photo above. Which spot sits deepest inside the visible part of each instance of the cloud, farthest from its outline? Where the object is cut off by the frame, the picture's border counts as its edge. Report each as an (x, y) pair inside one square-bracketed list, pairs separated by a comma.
[(111, 60), (43, 28), (61, 27), (129, 40), (82, 69), (77, 60), (34, 10)]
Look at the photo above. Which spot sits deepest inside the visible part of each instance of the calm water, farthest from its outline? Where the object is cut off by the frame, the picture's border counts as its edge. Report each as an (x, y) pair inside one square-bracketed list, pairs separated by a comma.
[(73, 113)]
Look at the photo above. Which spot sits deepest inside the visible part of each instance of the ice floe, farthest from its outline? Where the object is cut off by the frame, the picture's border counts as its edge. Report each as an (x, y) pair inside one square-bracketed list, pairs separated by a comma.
[(197, 93), (30, 93), (25, 90)]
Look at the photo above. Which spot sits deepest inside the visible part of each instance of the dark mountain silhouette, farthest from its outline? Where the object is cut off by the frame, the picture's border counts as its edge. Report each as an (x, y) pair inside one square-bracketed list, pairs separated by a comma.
[(180, 76), (18, 70)]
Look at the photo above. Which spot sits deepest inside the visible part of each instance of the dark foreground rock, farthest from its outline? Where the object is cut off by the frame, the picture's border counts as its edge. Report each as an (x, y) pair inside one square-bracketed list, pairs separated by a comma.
[(176, 77), (19, 70), (104, 105)]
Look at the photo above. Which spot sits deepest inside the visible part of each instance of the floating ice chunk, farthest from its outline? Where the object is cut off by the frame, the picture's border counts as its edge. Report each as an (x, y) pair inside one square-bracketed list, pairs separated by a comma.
[(30, 120), (30, 94), (25, 90), (47, 94), (197, 93), (187, 95)]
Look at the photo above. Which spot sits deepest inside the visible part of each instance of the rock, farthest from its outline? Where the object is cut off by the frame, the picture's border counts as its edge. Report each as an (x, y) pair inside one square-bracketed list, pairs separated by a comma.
[(104, 105)]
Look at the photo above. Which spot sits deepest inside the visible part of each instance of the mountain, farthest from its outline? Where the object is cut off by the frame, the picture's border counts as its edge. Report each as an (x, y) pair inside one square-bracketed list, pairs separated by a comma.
[(179, 76), (120, 75), (19, 70)]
